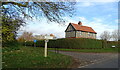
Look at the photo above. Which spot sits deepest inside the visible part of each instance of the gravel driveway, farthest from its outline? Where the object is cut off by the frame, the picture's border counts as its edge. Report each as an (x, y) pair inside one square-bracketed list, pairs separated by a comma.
[(85, 59)]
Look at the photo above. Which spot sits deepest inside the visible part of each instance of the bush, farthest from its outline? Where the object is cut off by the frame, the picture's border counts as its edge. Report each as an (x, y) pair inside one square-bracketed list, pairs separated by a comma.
[(11, 45)]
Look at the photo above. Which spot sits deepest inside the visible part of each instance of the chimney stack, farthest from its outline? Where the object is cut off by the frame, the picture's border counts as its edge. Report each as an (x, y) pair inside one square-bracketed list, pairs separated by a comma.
[(80, 23)]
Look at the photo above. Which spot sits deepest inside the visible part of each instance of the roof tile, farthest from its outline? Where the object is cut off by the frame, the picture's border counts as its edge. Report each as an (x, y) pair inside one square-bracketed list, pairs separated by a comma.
[(83, 28)]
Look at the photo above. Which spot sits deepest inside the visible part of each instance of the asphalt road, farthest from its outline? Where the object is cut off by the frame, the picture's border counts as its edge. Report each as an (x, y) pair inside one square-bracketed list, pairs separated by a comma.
[(107, 63), (94, 60)]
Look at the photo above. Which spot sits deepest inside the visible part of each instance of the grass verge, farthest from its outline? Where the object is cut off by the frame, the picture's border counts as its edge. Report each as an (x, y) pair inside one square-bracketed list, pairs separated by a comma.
[(33, 57)]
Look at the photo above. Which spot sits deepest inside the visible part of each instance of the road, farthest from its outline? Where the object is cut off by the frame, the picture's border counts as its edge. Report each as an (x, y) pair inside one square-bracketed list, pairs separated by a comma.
[(107, 63), (94, 60)]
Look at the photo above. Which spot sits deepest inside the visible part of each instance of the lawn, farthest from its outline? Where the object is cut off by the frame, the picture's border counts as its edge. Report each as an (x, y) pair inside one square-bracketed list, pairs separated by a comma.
[(33, 57), (104, 50)]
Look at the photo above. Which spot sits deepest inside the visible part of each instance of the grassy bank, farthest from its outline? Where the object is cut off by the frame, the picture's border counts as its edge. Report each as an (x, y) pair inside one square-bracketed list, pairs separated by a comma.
[(103, 50), (33, 57)]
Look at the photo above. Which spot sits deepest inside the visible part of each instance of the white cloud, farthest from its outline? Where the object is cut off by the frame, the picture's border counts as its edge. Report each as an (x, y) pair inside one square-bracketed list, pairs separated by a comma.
[(69, 20), (98, 25), (83, 19), (42, 27), (85, 4), (97, 19)]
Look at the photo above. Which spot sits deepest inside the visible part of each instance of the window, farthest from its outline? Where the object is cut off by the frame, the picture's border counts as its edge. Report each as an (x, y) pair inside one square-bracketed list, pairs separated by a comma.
[(88, 34), (80, 33), (91, 34)]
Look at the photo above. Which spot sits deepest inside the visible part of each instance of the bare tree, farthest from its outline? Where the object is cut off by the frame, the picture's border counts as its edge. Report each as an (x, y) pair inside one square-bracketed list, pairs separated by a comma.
[(105, 36), (53, 11), (19, 12), (115, 35), (26, 36)]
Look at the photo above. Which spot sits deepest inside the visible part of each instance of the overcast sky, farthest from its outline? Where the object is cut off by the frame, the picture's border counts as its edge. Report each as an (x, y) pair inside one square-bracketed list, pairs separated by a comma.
[(101, 16)]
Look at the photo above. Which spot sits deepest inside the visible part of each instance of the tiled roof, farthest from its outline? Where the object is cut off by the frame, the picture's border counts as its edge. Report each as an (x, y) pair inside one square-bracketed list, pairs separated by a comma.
[(82, 28)]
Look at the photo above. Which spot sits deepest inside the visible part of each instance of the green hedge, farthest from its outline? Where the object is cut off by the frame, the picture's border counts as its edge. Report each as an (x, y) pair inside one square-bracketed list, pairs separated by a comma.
[(70, 43), (39, 43), (111, 43), (74, 43)]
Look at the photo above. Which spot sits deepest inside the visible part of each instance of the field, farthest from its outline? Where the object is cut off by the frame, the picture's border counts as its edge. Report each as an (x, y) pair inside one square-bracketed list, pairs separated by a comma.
[(33, 57)]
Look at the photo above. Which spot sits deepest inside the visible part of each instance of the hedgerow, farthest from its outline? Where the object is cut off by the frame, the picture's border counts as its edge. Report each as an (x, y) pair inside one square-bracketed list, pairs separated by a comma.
[(74, 43)]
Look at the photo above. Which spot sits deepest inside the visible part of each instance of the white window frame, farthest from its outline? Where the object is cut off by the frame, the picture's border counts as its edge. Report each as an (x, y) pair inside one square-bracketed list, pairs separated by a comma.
[(88, 33), (80, 33)]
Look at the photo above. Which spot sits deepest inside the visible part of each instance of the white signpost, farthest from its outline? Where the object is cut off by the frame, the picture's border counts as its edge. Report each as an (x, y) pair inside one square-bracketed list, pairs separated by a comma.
[(46, 40)]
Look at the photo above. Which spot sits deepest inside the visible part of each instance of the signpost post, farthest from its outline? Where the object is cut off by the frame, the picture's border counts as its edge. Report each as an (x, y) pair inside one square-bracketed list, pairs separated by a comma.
[(45, 54), (46, 41)]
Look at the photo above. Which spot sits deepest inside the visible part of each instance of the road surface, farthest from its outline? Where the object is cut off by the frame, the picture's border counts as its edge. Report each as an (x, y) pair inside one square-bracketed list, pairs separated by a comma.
[(107, 63), (94, 60)]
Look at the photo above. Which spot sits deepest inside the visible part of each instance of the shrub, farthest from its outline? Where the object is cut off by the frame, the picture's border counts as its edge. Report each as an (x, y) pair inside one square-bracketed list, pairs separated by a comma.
[(11, 45)]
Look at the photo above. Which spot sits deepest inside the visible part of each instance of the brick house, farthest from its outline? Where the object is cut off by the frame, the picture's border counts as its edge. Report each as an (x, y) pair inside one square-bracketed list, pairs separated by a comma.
[(79, 31)]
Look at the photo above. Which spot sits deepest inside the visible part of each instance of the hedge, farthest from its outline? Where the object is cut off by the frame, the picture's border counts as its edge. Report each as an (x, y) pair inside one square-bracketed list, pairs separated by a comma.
[(112, 43), (70, 43), (74, 43)]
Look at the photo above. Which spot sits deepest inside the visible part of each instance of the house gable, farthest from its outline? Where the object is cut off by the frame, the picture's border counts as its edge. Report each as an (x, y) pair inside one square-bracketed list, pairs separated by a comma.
[(70, 28), (79, 31)]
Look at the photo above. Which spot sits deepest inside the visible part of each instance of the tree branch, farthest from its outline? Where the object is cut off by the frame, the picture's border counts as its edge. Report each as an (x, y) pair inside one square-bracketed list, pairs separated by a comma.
[(14, 3)]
